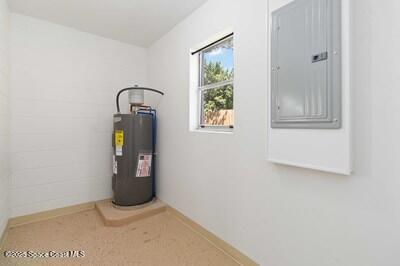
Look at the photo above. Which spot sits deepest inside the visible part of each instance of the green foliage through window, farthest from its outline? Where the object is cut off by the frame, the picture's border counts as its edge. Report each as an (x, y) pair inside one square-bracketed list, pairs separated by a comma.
[(220, 98)]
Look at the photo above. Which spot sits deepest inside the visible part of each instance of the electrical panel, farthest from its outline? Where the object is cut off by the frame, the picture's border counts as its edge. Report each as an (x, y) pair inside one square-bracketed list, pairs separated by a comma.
[(306, 65)]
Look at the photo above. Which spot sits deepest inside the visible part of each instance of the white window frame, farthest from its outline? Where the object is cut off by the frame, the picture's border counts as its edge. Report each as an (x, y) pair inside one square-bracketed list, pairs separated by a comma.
[(201, 88)]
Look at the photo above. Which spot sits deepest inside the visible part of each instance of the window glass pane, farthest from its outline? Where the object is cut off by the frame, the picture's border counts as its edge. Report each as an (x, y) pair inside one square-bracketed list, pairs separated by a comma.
[(217, 106), (217, 63)]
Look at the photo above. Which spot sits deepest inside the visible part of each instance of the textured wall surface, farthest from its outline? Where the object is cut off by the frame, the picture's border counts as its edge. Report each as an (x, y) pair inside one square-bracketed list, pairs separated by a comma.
[(4, 116), (63, 86)]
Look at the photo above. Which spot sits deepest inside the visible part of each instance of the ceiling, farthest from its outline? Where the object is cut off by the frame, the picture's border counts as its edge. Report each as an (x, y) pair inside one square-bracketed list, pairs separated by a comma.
[(138, 22)]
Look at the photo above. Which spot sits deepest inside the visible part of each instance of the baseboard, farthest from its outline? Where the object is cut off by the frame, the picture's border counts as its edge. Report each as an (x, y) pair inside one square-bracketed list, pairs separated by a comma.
[(213, 239), (46, 215)]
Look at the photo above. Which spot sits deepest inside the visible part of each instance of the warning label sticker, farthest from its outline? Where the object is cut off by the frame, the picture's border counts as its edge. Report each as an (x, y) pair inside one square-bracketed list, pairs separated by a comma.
[(119, 142), (144, 165), (118, 150), (119, 138), (115, 165)]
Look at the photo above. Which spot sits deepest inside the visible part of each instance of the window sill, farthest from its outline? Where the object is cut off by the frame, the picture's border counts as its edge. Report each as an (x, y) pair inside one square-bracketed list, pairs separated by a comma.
[(212, 131)]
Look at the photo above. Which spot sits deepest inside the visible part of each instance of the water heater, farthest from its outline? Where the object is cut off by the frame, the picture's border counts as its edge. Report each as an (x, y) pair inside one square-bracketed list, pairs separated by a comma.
[(134, 140)]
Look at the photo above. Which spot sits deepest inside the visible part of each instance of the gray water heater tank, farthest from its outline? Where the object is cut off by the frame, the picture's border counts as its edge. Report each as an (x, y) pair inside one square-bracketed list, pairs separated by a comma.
[(132, 180)]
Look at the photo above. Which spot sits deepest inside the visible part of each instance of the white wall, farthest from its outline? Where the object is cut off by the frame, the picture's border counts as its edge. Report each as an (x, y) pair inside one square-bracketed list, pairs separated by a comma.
[(63, 86), (281, 215), (4, 116)]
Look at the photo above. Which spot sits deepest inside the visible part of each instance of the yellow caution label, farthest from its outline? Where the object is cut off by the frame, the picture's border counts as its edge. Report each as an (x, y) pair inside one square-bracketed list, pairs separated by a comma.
[(119, 138)]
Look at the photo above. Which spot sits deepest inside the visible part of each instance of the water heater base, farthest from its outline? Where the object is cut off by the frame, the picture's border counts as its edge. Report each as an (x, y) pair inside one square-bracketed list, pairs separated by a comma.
[(134, 207), (112, 216)]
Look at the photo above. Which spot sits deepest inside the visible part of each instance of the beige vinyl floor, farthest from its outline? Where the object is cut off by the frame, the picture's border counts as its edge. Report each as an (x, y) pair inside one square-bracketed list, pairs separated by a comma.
[(158, 240)]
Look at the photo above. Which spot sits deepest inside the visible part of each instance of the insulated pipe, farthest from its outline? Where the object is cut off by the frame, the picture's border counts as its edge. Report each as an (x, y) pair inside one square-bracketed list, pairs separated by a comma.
[(134, 88)]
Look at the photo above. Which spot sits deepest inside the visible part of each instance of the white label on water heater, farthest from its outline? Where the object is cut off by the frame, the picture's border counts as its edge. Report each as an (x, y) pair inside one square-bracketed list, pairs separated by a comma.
[(118, 150), (144, 165), (115, 165)]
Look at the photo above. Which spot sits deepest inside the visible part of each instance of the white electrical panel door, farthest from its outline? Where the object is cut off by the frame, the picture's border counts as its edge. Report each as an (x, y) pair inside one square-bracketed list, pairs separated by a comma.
[(306, 65)]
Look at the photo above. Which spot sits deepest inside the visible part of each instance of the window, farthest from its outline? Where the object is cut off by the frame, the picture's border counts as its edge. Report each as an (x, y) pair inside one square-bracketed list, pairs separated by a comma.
[(215, 85)]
